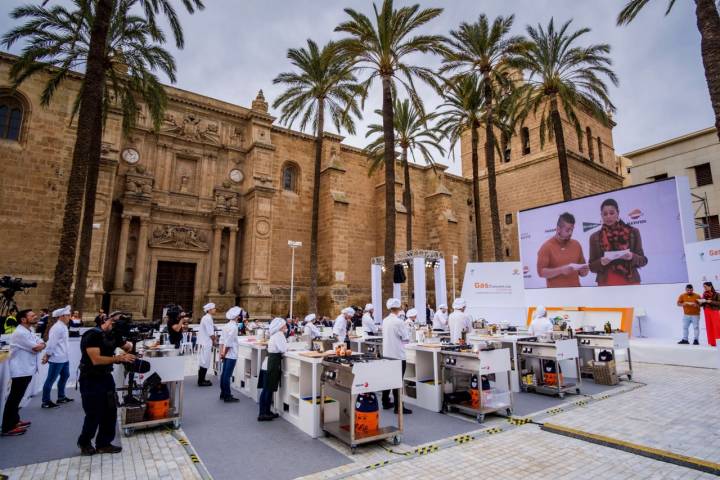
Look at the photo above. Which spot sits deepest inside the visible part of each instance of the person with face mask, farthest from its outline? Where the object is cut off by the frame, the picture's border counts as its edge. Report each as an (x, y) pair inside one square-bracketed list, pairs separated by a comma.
[(459, 322), (540, 325), (277, 346), (440, 320), (205, 339)]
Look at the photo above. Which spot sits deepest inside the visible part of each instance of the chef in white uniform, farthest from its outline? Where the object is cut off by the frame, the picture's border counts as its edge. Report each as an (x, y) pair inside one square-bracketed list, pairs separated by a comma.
[(395, 336), (458, 321), (206, 339), (540, 325), (368, 322), (341, 323), (229, 353), (411, 319), (440, 320), (277, 346), (310, 329)]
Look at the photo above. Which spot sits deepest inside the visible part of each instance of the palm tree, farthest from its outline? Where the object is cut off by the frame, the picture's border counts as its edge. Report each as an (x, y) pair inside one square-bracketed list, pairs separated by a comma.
[(381, 46), (88, 140), (412, 133), (488, 50), (708, 23), (564, 74), (324, 81), (462, 110)]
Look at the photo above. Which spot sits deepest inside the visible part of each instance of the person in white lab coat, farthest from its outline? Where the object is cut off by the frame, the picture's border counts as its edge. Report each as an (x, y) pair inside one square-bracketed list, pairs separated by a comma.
[(395, 336), (205, 340), (341, 323), (459, 322), (229, 353), (277, 346), (25, 346), (540, 325), (56, 355), (440, 319), (411, 318), (368, 322), (310, 329)]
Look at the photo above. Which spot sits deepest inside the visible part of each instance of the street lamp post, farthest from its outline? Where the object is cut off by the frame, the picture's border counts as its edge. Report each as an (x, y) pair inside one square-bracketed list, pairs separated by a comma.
[(293, 245), (454, 262)]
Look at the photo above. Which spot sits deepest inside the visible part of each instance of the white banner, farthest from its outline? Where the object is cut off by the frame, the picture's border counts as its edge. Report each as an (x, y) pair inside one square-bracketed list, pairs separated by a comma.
[(494, 291), (703, 260)]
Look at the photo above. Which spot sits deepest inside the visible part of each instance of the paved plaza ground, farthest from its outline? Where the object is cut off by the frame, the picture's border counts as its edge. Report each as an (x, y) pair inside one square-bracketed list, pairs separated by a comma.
[(674, 409)]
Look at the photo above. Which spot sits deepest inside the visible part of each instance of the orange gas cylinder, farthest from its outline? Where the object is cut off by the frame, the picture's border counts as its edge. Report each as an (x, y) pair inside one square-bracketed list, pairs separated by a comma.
[(367, 414), (157, 409)]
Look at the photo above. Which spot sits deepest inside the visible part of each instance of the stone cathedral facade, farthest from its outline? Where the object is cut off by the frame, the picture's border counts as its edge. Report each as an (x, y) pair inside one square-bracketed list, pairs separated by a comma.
[(203, 209)]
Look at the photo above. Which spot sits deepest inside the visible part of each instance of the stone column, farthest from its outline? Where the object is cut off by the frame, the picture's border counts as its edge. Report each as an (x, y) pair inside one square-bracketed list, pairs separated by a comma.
[(141, 260), (215, 260), (230, 285), (122, 252)]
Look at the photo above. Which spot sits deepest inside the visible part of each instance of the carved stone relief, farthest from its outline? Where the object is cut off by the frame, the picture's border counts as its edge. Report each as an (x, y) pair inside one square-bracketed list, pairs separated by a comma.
[(191, 127), (184, 180), (177, 236), (227, 200)]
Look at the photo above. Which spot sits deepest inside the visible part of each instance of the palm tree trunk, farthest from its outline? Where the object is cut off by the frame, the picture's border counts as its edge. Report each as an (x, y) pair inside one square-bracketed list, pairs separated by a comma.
[(562, 151), (86, 229), (90, 115), (492, 180), (313, 296), (389, 137), (474, 140), (407, 200), (708, 22)]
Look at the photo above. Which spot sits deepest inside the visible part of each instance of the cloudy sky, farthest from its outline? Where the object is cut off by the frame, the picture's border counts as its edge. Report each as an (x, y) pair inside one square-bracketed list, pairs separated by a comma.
[(236, 47)]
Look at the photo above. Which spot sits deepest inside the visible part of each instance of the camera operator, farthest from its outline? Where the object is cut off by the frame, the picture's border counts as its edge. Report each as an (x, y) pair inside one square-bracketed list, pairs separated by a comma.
[(176, 319), (97, 387)]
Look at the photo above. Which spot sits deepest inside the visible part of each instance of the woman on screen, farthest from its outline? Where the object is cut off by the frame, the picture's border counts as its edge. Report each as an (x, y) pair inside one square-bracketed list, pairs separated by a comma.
[(616, 251)]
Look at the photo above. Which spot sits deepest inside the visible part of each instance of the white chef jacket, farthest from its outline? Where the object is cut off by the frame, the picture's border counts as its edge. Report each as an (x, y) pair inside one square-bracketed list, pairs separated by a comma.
[(311, 330), (394, 334), (368, 323), (23, 361), (340, 328), (206, 331), (229, 338), (458, 322), (277, 343), (540, 326), (58, 345), (440, 321)]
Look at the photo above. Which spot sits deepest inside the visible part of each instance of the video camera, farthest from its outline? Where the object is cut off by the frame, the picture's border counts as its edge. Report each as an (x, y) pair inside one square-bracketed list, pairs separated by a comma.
[(127, 330), (15, 284)]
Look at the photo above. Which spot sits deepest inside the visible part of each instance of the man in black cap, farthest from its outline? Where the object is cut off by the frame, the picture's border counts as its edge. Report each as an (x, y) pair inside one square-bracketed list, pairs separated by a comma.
[(97, 387)]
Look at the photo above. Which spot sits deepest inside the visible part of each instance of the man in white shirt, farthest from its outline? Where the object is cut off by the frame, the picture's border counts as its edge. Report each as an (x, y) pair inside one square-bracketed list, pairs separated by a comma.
[(277, 346), (395, 336), (440, 319), (56, 356), (229, 353), (25, 346), (341, 323), (458, 321), (368, 322), (205, 340)]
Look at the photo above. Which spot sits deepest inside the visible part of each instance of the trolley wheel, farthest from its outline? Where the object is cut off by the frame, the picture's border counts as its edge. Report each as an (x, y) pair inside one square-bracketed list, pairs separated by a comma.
[(353, 449), (396, 440), (508, 411), (629, 377), (127, 431), (577, 390), (176, 424), (561, 395), (445, 407), (480, 418)]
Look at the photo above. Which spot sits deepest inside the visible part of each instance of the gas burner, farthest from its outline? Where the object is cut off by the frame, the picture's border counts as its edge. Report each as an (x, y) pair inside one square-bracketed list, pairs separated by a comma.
[(591, 333), (351, 360)]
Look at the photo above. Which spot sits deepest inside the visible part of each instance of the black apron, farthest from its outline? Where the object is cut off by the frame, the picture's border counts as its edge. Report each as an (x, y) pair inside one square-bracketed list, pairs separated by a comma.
[(274, 371)]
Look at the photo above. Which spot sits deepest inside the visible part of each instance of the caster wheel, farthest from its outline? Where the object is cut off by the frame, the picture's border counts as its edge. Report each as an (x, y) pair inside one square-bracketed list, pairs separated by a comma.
[(508, 412), (577, 390), (629, 378), (176, 424), (396, 440), (561, 395), (353, 450), (480, 418), (127, 431)]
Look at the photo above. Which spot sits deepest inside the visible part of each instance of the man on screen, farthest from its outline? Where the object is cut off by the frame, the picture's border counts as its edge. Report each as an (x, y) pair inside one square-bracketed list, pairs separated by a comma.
[(561, 261)]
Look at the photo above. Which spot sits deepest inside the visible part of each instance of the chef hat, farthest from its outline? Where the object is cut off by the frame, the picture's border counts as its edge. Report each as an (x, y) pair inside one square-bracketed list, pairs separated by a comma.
[(310, 318), (276, 325), (539, 311), (348, 311), (369, 307), (459, 303), (233, 313), (392, 303), (208, 307), (412, 313), (66, 310), (441, 306)]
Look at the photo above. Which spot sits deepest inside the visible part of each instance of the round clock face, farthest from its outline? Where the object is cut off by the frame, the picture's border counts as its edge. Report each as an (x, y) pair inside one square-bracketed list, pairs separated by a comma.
[(236, 175), (131, 156)]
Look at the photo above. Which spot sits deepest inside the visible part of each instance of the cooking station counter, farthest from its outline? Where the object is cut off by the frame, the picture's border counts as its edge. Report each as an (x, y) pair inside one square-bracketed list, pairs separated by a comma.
[(549, 358)]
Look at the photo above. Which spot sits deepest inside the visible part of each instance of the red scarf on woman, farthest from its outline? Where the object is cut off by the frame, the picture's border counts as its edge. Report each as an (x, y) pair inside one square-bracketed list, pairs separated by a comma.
[(709, 295), (614, 238)]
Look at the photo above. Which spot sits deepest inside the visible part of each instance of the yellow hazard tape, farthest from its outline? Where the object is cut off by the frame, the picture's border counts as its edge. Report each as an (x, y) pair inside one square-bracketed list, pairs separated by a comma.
[(519, 421), (554, 411), (581, 403), (490, 431), (377, 465), (194, 458), (463, 438), (426, 450)]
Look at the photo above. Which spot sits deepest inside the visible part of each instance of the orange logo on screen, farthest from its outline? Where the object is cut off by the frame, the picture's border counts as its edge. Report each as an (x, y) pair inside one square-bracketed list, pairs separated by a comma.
[(635, 214), (526, 269), (714, 253), (482, 285)]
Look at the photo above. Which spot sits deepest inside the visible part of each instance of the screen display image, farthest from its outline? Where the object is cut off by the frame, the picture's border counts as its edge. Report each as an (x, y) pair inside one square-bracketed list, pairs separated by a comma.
[(631, 236)]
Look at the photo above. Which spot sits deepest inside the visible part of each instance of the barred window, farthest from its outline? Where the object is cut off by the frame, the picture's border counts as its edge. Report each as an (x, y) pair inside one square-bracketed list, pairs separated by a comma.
[(11, 118), (703, 174), (289, 178)]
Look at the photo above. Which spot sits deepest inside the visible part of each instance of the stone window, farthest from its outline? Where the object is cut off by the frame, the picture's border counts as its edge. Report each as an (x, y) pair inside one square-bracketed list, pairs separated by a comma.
[(11, 118), (703, 174), (525, 137), (600, 152), (290, 178), (505, 146), (712, 227), (657, 178), (508, 219), (588, 134)]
